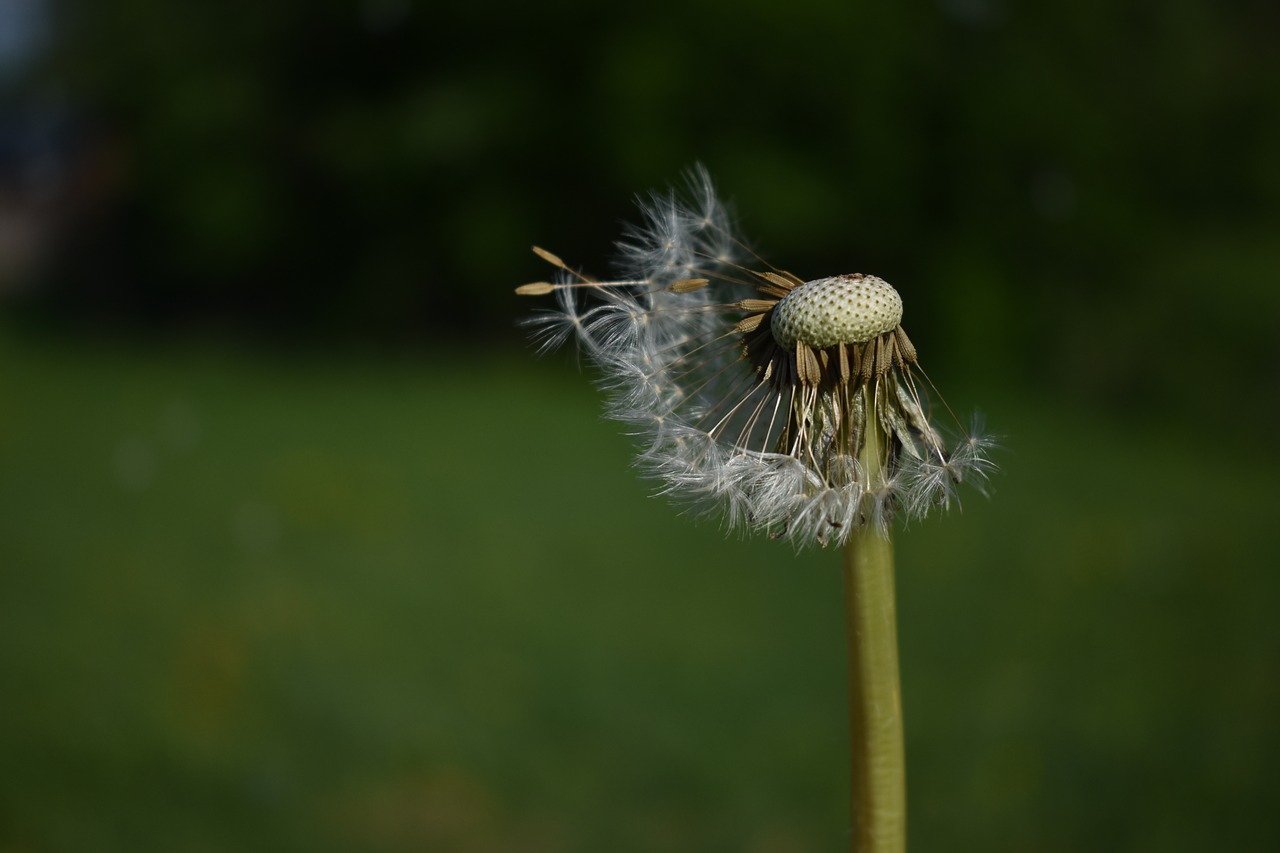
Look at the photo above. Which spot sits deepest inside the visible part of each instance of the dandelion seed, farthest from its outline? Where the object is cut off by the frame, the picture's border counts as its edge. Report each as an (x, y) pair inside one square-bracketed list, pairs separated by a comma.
[(753, 390)]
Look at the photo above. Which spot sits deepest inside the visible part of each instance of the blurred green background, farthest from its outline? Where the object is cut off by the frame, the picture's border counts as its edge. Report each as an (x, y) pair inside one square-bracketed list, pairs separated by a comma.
[(302, 549)]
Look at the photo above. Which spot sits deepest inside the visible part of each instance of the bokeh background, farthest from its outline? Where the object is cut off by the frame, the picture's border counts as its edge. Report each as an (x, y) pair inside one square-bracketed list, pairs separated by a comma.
[(302, 549)]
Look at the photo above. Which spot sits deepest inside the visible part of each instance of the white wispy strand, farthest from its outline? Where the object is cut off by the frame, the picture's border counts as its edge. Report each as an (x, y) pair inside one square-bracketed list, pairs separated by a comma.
[(551, 328), (680, 235)]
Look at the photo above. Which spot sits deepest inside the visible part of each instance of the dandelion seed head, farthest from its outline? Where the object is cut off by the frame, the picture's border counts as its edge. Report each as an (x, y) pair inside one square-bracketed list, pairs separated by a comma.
[(792, 407)]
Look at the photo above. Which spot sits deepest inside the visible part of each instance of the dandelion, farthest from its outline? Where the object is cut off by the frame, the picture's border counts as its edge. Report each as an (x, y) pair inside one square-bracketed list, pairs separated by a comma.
[(756, 394), (791, 407)]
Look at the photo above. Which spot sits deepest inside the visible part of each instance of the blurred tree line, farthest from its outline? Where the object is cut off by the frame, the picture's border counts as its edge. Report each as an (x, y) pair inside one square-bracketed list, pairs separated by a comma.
[(1085, 191)]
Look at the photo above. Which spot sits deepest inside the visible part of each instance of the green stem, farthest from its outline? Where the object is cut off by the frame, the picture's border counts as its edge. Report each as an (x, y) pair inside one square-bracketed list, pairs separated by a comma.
[(879, 794)]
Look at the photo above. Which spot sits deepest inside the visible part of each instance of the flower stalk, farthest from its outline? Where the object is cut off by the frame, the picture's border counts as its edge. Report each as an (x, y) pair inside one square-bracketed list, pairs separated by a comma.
[(878, 766)]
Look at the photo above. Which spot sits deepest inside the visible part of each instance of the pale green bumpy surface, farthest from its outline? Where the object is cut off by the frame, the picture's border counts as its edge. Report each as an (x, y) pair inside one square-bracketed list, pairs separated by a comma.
[(848, 309)]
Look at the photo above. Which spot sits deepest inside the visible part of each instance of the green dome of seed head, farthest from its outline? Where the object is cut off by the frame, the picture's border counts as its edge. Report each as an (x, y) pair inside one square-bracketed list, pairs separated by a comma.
[(842, 309)]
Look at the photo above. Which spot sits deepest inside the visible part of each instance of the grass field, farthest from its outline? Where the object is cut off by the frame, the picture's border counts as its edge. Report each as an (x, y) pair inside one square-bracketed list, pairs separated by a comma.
[(272, 602)]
